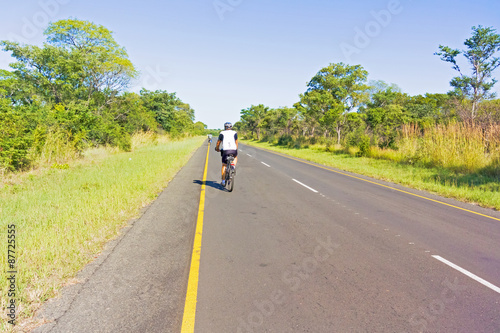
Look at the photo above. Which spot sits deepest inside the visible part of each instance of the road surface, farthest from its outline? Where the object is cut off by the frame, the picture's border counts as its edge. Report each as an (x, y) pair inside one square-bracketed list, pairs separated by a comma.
[(294, 248)]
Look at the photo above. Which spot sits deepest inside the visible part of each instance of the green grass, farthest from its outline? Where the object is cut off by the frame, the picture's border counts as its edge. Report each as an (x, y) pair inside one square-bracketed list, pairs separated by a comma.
[(476, 188), (65, 215)]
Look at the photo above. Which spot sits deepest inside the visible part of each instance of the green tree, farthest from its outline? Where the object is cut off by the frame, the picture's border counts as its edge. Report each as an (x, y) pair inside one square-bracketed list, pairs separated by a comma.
[(171, 113), (385, 114), (489, 111), (377, 86), (320, 110), (17, 91), (79, 60), (480, 54), (199, 128), (106, 66), (333, 92), (183, 118), (285, 120), (428, 109), (15, 138), (279, 121), (253, 118), (48, 70), (129, 111), (70, 93)]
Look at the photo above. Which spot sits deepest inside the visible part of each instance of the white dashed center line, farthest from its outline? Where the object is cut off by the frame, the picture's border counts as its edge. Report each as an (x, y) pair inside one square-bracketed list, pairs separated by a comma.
[(310, 188), (267, 165), (469, 274)]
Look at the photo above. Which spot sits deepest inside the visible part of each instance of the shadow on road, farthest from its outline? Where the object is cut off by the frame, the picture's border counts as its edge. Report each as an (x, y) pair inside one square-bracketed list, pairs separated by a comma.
[(210, 183)]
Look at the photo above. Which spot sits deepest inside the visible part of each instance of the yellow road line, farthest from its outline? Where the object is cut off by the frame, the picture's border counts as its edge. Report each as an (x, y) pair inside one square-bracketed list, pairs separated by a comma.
[(372, 182), (192, 289)]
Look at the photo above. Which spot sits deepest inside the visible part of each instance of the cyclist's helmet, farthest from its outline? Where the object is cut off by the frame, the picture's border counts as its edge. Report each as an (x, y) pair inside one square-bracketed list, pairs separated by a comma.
[(228, 126)]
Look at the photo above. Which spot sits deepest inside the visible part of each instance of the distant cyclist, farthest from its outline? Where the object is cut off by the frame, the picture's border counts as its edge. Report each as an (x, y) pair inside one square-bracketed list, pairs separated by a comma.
[(210, 138), (227, 144)]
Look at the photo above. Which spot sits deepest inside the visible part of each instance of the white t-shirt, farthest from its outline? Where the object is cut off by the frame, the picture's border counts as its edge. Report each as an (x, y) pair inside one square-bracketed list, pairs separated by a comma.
[(228, 139)]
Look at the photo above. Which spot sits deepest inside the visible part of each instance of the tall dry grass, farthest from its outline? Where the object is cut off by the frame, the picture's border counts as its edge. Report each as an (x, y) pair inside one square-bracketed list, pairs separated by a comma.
[(57, 148), (141, 139), (457, 146), (58, 153)]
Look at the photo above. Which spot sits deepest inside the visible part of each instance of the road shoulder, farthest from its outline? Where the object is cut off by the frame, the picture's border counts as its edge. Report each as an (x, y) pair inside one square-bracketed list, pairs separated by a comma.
[(138, 282)]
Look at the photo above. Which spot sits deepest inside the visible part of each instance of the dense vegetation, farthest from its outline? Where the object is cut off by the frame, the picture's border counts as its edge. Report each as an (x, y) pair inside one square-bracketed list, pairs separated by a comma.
[(344, 112), (71, 94)]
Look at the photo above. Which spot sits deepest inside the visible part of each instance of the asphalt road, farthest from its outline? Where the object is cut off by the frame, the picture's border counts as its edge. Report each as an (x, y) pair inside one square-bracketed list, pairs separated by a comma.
[(294, 248), (335, 253)]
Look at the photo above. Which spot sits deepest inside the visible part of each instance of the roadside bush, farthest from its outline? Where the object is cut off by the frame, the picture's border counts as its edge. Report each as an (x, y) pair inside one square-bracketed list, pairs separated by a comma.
[(247, 136), (360, 140), (15, 138), (300, 142), (115, 135), (364, 145), (268, 138), (131, 114), (286, 140), (318, 140), (331, 145)]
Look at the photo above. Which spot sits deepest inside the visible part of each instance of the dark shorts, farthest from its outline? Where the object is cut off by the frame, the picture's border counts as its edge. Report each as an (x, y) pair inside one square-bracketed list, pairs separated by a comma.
[(226, 153)]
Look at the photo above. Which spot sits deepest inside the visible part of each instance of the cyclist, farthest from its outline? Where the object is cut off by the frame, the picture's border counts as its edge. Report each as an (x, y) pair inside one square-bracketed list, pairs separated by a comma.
[(227, 144), (210, 138)]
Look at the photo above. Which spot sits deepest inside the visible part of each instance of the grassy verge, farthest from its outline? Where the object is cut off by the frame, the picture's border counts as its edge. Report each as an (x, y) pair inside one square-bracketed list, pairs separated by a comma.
[(65, 214), (470, 187)]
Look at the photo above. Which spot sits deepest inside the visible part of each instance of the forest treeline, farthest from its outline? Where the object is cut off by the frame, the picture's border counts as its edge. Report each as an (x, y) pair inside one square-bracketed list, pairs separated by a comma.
[(71, 94), (344, 111)]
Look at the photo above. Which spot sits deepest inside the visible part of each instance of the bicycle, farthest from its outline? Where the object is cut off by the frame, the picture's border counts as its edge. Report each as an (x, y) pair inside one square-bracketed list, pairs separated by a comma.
[(230, 173)]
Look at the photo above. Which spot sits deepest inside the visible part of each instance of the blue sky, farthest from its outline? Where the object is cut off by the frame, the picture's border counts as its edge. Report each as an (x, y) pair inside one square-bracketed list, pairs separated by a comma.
[(222, 56)]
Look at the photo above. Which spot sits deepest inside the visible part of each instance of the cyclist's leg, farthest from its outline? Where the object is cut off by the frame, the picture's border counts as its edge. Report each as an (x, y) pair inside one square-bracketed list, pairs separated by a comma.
[(235, 157), (224, 163), (223, 171)]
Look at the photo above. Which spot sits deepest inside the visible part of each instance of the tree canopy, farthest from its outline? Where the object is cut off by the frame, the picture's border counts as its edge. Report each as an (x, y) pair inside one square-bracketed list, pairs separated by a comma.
[(72, 92), (480, 52), (339, 107), (332, 93)]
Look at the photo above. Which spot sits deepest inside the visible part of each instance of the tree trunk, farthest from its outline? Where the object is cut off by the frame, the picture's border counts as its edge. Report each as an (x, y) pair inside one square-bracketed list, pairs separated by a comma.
[(338, 134)]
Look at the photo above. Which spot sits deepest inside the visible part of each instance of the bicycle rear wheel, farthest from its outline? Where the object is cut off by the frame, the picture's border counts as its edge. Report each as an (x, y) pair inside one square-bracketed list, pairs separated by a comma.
[(229, 174), (230, 181)]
